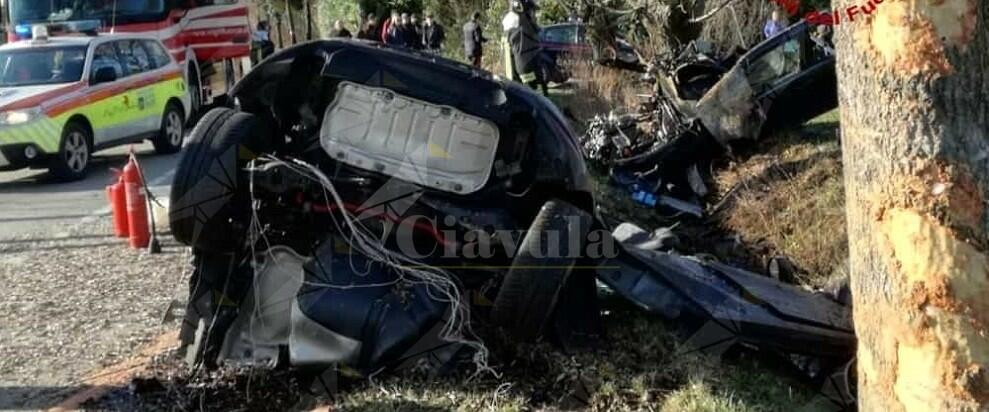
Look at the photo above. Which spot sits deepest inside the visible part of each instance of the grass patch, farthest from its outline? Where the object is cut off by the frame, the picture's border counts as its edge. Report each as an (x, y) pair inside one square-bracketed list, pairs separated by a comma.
[(786, 197), (640, 368)]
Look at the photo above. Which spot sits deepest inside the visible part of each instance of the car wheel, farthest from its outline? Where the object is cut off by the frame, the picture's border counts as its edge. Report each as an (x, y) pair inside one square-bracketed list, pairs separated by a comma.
[(169, 139), (74, 153), (195, 90), (209, 205), (532, 286)]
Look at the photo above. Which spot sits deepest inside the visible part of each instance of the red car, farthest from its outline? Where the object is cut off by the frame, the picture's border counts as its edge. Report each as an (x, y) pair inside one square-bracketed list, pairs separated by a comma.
[(570, 40)]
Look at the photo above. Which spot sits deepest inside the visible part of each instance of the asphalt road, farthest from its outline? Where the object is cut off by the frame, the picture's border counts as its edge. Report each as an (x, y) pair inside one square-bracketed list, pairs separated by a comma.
[(33, 204)]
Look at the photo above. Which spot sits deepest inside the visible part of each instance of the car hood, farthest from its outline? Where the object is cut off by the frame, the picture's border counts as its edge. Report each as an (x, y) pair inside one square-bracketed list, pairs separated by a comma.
[(22, 97)]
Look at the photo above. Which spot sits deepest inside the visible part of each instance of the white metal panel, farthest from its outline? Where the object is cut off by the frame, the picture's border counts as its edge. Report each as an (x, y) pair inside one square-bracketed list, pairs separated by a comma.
[(435, 146)]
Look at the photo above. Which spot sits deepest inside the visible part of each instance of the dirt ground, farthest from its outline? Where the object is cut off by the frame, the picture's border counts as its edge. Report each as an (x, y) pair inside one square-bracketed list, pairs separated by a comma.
[(74, 303), (103, 301)]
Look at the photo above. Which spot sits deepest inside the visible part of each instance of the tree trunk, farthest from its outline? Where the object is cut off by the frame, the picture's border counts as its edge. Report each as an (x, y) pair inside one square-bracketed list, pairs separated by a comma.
[(914, 97)]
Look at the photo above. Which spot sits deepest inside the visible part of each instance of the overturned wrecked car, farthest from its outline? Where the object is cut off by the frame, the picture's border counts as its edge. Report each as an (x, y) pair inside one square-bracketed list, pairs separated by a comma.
[(703, 105), (371, 207)]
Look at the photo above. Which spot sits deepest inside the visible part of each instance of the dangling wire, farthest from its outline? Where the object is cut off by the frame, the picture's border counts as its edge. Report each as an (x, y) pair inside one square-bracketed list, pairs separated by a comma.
[(441, 285)]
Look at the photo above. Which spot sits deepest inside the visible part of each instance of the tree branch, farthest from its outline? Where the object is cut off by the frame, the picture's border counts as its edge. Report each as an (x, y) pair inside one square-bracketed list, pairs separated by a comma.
[(711, 13)]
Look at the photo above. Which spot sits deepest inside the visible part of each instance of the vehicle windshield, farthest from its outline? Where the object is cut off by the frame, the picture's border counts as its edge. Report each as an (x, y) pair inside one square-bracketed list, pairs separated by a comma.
[(45, 65), (127, 11)]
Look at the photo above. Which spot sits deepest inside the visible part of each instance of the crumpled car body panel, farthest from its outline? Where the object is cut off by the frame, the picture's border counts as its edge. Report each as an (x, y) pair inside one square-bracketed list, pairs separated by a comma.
[(750, 308), (796, 90), (728, 110)]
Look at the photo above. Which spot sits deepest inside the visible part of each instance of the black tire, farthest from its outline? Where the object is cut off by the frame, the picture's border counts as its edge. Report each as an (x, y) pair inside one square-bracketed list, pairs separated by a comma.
[(532, 286), (195, 91), (209, 205), (171, 131), (75, 150)]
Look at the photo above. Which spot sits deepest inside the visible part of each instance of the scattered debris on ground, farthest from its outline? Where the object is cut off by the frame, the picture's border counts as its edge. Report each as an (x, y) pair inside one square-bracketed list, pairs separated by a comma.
[(299, 252), (278, 247)]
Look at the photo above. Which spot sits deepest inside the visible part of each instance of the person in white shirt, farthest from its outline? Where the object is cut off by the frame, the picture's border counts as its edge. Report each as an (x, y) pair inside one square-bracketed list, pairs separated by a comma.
[(508, 23)]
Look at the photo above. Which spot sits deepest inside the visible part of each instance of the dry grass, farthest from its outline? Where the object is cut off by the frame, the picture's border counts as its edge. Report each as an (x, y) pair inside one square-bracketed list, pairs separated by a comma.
[(595, 89), (788, 199)]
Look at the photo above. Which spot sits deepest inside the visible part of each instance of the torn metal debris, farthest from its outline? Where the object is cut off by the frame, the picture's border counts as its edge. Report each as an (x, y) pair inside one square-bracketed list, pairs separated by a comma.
[(368, 207), (704, 104)]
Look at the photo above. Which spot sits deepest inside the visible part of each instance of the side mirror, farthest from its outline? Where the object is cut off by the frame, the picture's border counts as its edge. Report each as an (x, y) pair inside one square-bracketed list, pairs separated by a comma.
[(104, 75)]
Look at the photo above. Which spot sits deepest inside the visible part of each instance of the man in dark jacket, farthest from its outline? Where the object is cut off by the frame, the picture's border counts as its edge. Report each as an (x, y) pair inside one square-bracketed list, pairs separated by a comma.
[(370, 29), (415, 32), (474, 40), (432, 35), (339, 30), (406, 32)]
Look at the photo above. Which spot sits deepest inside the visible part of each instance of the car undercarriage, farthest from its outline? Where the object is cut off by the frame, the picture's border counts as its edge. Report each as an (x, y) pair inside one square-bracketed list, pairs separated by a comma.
[(373, 208)]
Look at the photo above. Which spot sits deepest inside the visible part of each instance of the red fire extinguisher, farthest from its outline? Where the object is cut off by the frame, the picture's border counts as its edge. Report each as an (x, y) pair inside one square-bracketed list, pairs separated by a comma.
[(137, 206), (118, 205)]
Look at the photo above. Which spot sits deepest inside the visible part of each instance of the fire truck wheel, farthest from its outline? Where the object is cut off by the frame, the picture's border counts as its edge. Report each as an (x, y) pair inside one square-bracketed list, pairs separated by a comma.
[(209, 200), (532, 286), (169, 139), (74, 153), (195, 90)]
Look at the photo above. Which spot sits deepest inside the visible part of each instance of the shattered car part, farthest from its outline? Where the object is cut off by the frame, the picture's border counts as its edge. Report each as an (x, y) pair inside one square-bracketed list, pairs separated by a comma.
[(346, 140), (755, 310), (704, 104), (296, 216), (780, 82)]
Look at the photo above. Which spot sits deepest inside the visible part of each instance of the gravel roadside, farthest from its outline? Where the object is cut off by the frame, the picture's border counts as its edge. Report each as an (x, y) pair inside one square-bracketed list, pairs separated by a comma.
[(75, 302)]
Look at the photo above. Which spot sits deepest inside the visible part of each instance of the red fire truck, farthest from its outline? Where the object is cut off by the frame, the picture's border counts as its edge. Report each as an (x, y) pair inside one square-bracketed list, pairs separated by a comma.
[(210, 38)]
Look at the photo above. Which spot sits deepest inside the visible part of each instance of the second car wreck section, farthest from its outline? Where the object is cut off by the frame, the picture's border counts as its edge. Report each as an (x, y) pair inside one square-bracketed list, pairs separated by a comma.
[(372, 208), (703, 105)]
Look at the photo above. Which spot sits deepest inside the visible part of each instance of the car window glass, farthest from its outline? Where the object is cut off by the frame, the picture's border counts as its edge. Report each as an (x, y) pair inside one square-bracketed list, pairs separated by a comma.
[(105, 55), (46, 65), (159, 56), (775, 65), (560, 34), (135, 58)]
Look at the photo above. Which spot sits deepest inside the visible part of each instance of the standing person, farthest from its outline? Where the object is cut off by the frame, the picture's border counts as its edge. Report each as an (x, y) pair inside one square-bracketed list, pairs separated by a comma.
[(405, 31), (527, 60), (775, 25), (339, 30), (261, 45), (474, 40), (415, 33), (370, 29), (432, 35), (391, 30), (508, 23)]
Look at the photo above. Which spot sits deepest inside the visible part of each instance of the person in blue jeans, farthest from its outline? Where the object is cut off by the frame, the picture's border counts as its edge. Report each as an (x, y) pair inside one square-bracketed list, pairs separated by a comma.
[(775, 25)]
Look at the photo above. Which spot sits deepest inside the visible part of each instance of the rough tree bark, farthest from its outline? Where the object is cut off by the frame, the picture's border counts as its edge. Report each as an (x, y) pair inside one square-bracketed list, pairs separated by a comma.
[(914, 96)]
